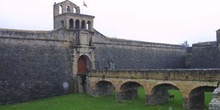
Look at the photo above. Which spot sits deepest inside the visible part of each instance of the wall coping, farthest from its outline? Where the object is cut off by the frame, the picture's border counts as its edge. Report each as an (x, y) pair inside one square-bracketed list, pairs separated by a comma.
[(32, 35), (125, 42)]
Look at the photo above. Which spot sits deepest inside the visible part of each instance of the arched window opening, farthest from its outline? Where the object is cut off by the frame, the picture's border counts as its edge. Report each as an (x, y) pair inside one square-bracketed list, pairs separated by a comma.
[(60, 9), (77, 10), (74, 9), (68, 9), (62, 23), (71, 24), (77, 24), (89, 25), (83, 25), (110, 65)]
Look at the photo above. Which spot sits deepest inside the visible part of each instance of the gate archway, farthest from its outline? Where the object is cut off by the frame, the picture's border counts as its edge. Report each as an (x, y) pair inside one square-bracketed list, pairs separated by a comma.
[(83, 65)]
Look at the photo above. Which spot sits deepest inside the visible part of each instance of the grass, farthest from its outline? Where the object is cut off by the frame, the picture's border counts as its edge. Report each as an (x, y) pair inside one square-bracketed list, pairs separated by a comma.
[(86, 102)]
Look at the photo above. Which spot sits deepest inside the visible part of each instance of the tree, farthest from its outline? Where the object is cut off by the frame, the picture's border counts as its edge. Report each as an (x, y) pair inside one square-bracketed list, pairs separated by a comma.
[(185, 43)]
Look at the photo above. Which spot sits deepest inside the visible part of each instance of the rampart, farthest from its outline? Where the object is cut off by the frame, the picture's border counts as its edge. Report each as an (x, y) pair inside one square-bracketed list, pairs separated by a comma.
[(102, 39), (54, 35), (38, 64), (205, 55), (34, 64), (113, 53)]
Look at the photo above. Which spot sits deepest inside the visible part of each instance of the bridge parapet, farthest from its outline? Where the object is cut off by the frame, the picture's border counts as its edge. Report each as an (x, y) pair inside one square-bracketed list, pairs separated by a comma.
[(192, 83), (161, 74)]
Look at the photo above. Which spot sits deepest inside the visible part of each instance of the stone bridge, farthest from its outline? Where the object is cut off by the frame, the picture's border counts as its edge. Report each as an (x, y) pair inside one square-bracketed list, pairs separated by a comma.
[(192, 83)]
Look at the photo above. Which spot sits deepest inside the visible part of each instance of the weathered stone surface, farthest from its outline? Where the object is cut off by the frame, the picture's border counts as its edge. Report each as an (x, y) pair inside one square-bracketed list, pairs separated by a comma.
[(159, 96), (127, 95), (157, 82), (161, 74), (37, 64), (102, 88), (138, 57), (33, 69), (197, 99), (215, 102), (205, 56)]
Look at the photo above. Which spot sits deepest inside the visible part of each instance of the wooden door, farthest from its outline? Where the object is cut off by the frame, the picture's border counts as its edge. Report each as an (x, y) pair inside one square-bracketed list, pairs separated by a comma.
[(82, 65)]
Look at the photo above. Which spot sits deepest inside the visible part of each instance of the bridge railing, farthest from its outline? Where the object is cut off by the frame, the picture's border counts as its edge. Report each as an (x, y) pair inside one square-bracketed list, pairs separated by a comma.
[(161, 74)]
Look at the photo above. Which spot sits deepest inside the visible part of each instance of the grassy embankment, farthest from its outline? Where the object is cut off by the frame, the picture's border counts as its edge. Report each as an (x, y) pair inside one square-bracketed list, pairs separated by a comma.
[(86, 102)]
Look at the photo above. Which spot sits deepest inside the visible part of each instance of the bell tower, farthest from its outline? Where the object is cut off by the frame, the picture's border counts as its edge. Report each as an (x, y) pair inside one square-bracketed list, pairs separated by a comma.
[(67, 14), (79, 27)]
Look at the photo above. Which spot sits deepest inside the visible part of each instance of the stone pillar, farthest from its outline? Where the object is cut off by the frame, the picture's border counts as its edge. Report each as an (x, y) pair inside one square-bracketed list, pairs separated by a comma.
[(74, 70), (92, 59), (102, 90), (215, 102), (196, 100), (75, 83), (127, 94), (186, 103), (80, 86), (159, 96), (67, 24)]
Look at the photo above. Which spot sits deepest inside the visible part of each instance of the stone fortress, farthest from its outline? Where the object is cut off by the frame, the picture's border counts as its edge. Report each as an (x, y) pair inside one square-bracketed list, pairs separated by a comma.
[(39, 64)]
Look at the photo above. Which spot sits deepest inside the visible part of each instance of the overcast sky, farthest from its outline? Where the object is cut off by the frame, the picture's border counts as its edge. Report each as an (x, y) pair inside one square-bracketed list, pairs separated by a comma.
[(162, 21)]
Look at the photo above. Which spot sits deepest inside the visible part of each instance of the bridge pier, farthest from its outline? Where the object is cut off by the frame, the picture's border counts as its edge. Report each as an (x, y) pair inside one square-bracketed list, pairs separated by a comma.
[(82, 83), (196, 100), (186, 103), (102, 88), (127, 94), (159, 96)]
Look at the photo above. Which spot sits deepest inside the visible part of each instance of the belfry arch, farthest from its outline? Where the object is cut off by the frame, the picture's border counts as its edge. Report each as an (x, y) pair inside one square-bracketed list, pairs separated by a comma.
[(77, 24), (71, 24), (60, 9), (88, 25), (83, 25)]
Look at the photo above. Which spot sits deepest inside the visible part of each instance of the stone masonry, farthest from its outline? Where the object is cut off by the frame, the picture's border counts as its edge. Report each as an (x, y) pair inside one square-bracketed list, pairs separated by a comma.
[(75, 57)]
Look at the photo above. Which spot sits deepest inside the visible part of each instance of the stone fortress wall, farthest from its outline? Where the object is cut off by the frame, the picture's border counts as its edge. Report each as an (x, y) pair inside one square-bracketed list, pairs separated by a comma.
[(205, 55), (33, 65), (111, 53), (37, 64)]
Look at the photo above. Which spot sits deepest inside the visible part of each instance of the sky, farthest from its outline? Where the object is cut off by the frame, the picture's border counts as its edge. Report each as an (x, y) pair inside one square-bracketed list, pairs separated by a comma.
[(160, 21)]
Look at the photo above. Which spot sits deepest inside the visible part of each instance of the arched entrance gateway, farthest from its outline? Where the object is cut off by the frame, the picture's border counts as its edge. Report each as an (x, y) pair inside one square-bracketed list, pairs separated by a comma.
[(83, 67)]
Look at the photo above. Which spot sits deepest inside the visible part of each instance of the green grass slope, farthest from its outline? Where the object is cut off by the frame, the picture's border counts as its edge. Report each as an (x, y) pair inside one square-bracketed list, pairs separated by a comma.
[(86, 102)]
